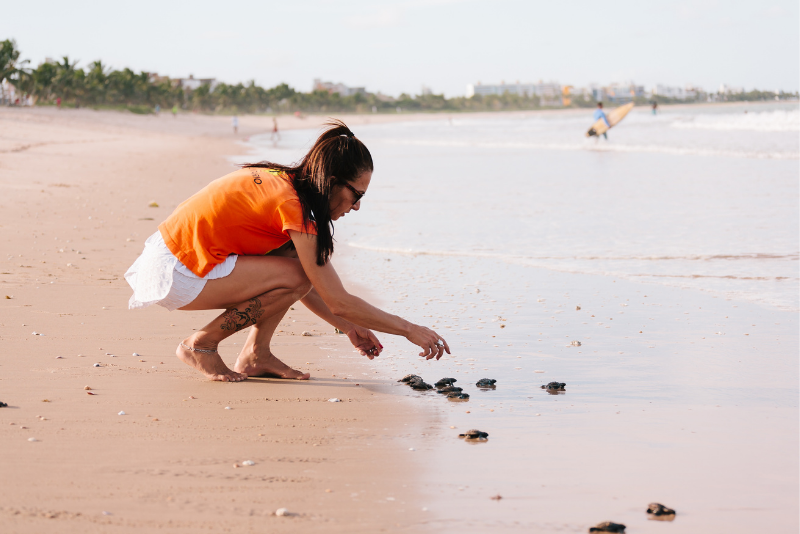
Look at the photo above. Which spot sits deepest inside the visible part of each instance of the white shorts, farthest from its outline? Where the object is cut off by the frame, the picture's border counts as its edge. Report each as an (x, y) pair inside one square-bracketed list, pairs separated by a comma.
[(158, 277)]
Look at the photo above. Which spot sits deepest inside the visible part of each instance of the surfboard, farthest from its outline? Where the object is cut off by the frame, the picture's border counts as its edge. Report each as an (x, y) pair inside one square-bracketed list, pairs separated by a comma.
[(613, 116)]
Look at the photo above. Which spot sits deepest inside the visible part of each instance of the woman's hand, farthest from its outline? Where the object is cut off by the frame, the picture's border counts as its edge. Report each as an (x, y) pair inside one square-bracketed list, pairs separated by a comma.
[(433, 346), (365, 341)]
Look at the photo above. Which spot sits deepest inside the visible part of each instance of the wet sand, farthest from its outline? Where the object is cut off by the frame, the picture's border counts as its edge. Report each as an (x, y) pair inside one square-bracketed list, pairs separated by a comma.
[(76, 187), (674, 396)]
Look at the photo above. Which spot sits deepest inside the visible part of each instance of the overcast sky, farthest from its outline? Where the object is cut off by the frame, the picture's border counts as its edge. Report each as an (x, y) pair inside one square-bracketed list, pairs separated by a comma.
[(397, 46)]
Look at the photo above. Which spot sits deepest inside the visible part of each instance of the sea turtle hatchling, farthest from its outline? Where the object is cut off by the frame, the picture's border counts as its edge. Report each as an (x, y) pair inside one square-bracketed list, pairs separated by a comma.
[(456, 396), (474, 435), (660, 512), (409, 378), (444, 382), (555, 386), (450, 389), (486, 383), (608, 526), (420, 385)]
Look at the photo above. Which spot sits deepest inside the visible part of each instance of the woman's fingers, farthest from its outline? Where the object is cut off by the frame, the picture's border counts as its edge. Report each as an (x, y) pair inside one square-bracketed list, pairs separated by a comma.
[(433, 346), (378, 348), (440, 345), (444, 347), (365, 341), (427, 349)]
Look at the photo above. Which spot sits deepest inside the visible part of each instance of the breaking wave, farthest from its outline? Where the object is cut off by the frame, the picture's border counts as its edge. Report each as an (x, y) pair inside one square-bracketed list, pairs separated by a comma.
[(765, 121), (605, 147)]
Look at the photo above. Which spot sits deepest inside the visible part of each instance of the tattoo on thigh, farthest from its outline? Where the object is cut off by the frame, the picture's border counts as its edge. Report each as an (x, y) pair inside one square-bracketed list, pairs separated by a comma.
[(236, 320)]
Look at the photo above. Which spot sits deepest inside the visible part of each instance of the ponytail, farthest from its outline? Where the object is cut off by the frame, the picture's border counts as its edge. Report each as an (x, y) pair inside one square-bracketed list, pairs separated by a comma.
[(337, 157)]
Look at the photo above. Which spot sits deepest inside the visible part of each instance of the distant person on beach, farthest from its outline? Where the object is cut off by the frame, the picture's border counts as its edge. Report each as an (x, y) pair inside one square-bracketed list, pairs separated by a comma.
[(235, 123), (175, 111), (275, 135), (256, 241), (600, 114), (655, 107)]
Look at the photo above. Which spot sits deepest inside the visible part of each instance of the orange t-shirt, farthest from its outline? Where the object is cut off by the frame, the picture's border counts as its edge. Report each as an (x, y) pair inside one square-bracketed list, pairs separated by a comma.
[(247, 212)]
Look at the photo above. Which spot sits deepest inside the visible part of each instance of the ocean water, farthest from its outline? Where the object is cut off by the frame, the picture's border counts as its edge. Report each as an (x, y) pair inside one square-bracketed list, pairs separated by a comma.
[(703, 198), (669, 251)]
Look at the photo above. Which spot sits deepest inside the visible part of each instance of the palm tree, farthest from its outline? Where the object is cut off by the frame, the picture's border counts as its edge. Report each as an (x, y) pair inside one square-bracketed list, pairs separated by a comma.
[(9, 55), (10, 66), (44, 80), (65, 79), (97, 82), (126, 86)]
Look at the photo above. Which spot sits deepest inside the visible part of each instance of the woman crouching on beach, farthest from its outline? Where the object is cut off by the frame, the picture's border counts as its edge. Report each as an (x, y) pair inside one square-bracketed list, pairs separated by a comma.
[(256, 241)]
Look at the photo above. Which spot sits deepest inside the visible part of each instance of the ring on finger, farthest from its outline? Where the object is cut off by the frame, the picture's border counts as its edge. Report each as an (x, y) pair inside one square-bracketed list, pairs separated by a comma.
[(439, 343)]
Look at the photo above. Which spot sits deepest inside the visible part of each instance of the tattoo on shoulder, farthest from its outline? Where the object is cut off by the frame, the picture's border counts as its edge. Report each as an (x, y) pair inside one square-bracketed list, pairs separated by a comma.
[(236, 320)]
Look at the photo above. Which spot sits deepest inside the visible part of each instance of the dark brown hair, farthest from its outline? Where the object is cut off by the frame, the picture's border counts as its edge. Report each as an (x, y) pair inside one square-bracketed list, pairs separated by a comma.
[(337, 157)]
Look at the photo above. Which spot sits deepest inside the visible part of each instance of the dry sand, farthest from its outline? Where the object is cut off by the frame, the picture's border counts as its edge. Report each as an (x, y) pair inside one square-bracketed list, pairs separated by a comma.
[(75, 191)]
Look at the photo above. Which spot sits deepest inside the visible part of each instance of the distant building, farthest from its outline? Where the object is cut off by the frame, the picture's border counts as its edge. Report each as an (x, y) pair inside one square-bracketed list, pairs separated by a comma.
[(689, 92), (10, 97), (8, 93), (153, 77), (191, 83), (593, 92), (384, 98), (623, 93), (426, 90), (725, 89), (566, 95), (340, 88), (547, 90)]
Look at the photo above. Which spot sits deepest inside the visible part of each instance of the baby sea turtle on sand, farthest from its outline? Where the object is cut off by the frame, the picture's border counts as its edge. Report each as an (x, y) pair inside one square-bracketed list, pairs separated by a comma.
[(660, 512), (444, 382), (3, 405), (608, 526), (456, 396), (555, 386), (409, 378), (420, 385), (486, 383), (450, 389), (474, 435)]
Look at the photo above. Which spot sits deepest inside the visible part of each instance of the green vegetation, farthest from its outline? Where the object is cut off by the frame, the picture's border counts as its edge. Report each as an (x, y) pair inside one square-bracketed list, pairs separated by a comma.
[(99, 86)]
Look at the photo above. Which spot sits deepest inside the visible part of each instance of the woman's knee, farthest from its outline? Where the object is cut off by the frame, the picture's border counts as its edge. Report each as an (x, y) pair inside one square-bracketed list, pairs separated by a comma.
[(298, 280)]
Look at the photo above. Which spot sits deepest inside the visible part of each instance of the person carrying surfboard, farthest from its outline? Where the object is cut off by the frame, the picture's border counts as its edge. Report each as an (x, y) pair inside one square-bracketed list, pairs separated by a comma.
[(600, 114), (603, 122)]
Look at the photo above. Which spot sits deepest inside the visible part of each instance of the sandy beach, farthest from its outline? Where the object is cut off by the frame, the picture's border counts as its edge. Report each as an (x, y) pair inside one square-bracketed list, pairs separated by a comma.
[(679, 393), (76, 188)]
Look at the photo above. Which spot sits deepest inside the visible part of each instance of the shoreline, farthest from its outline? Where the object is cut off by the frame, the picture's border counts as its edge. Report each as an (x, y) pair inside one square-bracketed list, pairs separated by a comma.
[(75, 213), (656, 397), (219, 126)]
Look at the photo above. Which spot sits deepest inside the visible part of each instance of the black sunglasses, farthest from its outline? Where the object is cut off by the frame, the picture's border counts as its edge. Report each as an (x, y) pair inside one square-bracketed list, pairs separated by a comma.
[(358, 194)]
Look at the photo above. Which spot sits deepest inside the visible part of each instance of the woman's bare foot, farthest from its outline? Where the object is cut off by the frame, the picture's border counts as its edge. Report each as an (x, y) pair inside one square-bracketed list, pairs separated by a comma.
[(208, 363), (252, 364)]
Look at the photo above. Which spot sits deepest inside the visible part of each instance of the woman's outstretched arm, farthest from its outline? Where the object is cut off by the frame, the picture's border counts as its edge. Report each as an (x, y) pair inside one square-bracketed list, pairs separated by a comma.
[(362, 338), (356, 310)]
